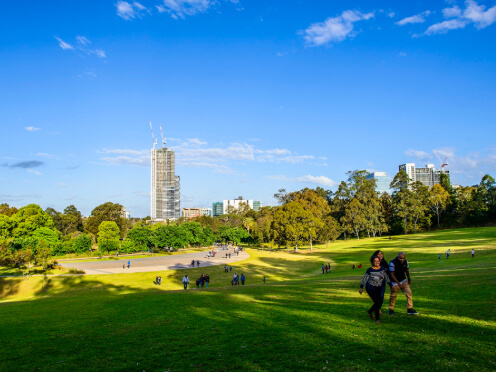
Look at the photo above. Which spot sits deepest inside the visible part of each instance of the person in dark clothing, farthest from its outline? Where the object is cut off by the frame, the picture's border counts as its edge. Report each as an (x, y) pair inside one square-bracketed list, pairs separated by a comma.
[(385, 265), (373, 279), (207, 280), (399, 270), (329, 266), (243, 279)]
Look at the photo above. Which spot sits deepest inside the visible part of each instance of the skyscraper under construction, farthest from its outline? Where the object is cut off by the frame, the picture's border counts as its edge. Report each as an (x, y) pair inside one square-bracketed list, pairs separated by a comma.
[(165, 184)]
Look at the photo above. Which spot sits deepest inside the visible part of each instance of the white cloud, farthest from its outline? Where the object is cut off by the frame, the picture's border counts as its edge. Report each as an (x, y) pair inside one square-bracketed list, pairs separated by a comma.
[(317, 180), (32, 129), (473, 13), (401, 54), (63, 44), (419, 18), (100, 53), (128, 11), (45, 155), (35, 172), (194, 142), (476, 14), (124, 152), (82, 40), (182, 8), (391, 14), (334, 29), (454, 11), (419, 155)]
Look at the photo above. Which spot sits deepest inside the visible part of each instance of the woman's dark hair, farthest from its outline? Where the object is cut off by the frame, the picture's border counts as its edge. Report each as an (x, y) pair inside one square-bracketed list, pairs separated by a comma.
[(376, 253), (373, 258)]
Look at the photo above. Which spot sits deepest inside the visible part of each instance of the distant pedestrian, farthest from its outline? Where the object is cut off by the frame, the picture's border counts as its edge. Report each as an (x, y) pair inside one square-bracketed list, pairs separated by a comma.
[(202, 280), (439, 257), (243, 278), (159, 280), (156, 280), (124, 266), (473, 253), (323, 268), (329, 266), (326, 268), (185, 281), (229, 255), (117, 253), (197, 283), (197, 263), (128, 264), (448, 253), (207, 280), (354, 267), (230, 268), (359, 266), (264, 279)]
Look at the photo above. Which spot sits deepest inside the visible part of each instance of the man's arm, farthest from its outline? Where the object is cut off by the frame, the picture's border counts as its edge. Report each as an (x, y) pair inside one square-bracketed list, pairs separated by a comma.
[(408, 275)]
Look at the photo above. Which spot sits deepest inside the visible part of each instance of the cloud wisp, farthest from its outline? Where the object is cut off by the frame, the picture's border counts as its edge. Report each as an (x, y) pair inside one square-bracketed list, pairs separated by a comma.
[(32, 129), (456, 18), (129, 11), (315, 180), (182, 8), (195, 153), (83, 44), (418, 18), (334, 29)]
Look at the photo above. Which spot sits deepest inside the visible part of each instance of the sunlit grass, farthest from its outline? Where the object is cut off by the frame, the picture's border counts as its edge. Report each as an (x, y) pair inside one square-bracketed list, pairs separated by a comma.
[(300, 319)]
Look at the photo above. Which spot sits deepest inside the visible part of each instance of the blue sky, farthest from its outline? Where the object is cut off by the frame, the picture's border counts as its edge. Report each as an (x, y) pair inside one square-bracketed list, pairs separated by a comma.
[(252, 95)]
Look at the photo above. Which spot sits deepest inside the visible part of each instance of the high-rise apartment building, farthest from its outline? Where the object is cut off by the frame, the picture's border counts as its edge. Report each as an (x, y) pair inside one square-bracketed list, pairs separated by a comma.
[(428, 175), (217, 209), (165, 185), (382, 181)]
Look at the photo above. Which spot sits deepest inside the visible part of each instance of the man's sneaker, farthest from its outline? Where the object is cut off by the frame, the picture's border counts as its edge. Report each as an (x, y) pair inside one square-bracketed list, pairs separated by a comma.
[(391, 312), (411, 312)]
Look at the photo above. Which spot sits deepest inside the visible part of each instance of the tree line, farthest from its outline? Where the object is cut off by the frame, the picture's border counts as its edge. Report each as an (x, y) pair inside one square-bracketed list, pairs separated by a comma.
[(306, 216)]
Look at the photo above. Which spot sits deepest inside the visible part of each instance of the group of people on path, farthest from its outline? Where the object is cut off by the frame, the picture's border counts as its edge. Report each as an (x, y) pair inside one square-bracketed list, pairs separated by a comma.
[(396, 274), (326, 268), (158, 280)]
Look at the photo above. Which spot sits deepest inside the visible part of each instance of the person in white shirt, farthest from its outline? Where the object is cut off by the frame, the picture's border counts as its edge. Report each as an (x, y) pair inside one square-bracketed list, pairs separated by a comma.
[(185, 281)]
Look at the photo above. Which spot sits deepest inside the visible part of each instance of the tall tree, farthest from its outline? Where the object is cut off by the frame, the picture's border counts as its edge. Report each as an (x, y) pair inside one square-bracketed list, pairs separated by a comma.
[(419, 203), (106, 212), (438, 199)]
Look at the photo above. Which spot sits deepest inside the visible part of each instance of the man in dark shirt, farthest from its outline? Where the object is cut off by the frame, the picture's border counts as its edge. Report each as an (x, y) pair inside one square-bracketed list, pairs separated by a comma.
[(398, 268)]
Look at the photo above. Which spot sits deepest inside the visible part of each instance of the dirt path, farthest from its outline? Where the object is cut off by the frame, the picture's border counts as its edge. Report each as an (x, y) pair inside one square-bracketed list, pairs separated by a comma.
[(161, 263)]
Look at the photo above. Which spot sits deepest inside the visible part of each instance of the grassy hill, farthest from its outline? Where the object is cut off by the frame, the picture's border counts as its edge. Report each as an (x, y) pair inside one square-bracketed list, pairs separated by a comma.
[(299, 320)]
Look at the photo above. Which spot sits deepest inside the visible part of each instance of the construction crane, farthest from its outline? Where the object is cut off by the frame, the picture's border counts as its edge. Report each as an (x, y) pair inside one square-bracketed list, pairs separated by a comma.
[(153, 135), (443, 163), (164, 140)]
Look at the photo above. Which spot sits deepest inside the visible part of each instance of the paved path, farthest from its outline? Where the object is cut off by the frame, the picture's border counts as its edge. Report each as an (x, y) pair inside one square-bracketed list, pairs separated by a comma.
[(160, 263)]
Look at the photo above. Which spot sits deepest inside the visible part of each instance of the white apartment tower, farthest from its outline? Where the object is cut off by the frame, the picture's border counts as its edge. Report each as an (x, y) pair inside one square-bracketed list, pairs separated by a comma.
[(165, 184)]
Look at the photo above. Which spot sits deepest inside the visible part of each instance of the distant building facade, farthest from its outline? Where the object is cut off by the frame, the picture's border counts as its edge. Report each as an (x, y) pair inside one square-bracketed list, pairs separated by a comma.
[(382, 181), (217, 209), (165, 185), (125, 214), (428, 175), (196, 212), (221, 208)]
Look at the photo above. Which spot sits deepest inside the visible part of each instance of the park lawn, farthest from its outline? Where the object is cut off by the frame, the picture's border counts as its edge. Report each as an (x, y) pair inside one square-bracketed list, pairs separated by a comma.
[(300, 320)]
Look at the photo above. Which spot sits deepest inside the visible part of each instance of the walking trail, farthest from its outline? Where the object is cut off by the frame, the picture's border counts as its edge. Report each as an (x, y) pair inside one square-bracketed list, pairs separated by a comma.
[(160, 263)]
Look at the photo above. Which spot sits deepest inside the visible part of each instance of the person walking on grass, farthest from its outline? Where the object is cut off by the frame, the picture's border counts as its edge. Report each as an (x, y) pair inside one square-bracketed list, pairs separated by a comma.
[(185, 281), (385, 265), (323, 268), (128, 264), (473, 253), (329, 266), (207, 280), (399, 270), (373, 280), (243, 278)]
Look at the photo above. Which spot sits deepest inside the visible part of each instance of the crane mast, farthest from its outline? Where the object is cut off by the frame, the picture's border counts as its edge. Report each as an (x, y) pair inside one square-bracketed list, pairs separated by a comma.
[(153, 135)]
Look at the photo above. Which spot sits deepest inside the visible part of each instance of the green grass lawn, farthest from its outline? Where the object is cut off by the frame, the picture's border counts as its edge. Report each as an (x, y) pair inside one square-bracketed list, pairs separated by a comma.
[(300, 320)]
